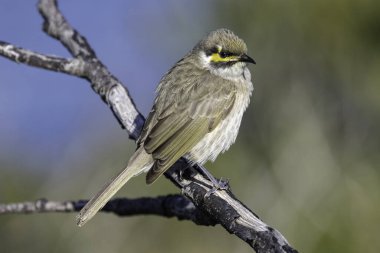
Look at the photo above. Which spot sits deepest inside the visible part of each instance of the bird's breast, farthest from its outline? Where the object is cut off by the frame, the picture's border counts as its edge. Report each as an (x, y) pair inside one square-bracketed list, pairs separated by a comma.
[(221, 138)]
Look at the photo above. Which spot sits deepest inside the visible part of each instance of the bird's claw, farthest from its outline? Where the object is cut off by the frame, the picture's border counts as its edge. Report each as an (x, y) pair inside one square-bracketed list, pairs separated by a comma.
[(218, 185)]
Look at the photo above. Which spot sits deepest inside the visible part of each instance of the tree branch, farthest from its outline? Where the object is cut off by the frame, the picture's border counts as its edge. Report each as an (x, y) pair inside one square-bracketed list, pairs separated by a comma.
[(220, 208), (167, 206), (69, 66)]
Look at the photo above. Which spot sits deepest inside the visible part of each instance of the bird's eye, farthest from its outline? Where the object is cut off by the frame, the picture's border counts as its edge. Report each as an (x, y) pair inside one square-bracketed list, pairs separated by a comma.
[(224, 54)]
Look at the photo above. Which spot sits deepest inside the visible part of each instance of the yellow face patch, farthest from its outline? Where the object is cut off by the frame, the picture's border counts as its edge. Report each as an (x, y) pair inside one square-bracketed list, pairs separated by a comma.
[(219, 56), (215, 57)]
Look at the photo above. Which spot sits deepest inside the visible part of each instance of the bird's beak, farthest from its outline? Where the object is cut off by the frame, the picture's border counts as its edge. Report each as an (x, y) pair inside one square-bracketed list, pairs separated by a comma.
[(246, 58)]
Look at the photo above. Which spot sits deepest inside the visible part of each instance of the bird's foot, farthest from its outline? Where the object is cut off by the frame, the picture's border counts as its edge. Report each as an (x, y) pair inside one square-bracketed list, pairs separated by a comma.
[(218, 185)]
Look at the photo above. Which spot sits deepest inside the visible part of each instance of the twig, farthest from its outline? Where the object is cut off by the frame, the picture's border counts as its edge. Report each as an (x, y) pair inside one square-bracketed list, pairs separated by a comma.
[(69, 66), (221, 207), (167, 206)]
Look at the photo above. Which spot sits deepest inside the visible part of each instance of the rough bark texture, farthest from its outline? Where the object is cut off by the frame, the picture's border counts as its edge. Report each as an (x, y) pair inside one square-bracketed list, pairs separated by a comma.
[(167, 206), (219, 208)]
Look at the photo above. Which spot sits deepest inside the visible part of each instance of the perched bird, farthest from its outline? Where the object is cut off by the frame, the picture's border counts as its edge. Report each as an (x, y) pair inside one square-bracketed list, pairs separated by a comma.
[(196, 114)]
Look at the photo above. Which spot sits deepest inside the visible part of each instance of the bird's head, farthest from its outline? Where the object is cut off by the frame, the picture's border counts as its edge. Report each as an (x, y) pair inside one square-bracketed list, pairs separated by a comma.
[(223, 52)]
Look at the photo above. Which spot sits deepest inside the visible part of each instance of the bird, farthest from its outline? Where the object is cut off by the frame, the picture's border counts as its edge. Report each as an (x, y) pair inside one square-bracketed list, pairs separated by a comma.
[(196, 113)]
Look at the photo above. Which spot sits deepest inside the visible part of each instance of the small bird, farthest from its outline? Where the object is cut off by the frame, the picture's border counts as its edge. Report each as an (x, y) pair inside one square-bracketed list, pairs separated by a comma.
[(196, 114)]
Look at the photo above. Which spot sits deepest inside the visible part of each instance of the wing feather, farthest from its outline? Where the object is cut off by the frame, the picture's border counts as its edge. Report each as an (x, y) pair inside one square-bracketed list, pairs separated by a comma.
[(184, 112)]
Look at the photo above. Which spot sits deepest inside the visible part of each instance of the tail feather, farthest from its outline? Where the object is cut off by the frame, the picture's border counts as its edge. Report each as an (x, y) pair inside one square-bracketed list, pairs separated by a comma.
[(136, 165)]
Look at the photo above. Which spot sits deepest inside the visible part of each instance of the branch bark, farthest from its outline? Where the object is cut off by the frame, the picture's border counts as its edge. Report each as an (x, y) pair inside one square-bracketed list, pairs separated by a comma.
[(219, 208), (167, 206)]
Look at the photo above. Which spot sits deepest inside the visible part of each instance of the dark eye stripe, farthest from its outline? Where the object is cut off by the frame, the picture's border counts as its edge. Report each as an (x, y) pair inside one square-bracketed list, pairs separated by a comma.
[(225, 54)]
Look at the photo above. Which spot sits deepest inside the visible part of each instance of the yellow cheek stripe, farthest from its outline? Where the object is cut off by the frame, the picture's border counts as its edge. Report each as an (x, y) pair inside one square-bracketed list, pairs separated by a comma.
[(215, 57)]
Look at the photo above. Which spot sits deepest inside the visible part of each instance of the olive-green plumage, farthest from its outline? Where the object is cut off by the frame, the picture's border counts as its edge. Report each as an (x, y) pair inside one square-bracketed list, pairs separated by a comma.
[(196, 114), (183, 113)]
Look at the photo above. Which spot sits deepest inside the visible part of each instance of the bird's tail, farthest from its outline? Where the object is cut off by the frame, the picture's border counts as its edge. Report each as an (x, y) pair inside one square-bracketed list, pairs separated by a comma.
[(137, 164)]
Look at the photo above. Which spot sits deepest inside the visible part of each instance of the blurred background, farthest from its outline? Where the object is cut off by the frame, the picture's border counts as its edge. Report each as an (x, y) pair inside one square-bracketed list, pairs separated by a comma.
[(306, 160)]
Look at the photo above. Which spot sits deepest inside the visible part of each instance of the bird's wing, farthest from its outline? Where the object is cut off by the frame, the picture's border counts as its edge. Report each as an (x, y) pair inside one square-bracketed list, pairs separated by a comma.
[(183, 114)]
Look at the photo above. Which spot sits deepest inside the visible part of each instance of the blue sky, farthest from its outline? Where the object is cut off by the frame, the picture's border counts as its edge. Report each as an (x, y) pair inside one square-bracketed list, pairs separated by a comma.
[(42, 112)]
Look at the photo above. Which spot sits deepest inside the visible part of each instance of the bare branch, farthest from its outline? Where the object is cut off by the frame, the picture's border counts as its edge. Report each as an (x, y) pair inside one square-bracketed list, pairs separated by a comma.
[(38, 206), (57, 27), (167, 206), (69, 66), (222, 207), (102, 81)]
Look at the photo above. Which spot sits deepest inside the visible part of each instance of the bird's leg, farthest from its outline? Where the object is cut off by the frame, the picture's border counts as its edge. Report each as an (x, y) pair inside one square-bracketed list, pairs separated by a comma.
[(216, 184)]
